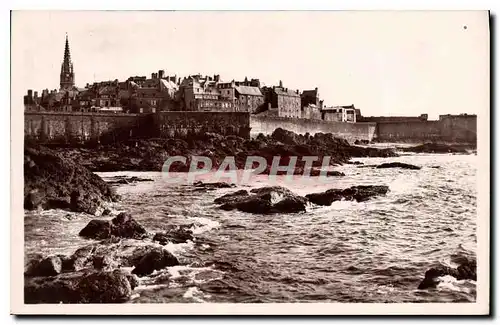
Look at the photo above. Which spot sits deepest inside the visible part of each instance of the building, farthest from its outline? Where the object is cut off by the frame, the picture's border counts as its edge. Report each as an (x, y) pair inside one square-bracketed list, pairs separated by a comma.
[(67, 76), (285, 100), (201, 93), (245, 96), (339, 114), (310, 97)]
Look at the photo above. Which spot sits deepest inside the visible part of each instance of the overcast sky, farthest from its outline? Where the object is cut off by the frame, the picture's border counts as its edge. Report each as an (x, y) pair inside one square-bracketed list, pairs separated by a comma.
[(385, 63)]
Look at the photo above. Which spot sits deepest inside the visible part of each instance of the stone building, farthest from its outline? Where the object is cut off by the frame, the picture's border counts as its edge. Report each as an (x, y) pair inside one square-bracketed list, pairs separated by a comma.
[(285, 100), (310, 97), (201, 93), (244, 95), (339, 114)]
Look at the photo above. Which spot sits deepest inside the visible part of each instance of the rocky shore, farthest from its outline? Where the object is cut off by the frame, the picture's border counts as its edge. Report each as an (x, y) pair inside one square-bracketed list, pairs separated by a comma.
[(150, 155), (121, 251)]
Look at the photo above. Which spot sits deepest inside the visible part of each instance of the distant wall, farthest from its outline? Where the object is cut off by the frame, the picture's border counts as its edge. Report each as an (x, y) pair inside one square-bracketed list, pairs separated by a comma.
[(182, 124), (349, 131), (449, 128), (67, 127)]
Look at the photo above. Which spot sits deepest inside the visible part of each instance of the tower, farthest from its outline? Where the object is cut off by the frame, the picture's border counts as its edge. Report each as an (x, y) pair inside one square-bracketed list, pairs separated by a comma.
[(67, 78)]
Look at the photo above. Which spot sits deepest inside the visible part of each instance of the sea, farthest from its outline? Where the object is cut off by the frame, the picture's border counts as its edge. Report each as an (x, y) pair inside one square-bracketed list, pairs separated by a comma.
[(375, 251)]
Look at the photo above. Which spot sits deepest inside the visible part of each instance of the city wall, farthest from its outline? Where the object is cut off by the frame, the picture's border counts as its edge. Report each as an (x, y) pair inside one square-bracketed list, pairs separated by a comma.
[(449, 128), (350, 131), (185, 124), (68, 127), (78, 127)]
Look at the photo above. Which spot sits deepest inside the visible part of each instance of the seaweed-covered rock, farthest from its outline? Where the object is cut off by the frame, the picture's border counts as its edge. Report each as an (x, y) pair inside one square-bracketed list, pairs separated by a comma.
[(123, 225), (51, 181), (398, 165), (358, 193), (265, 200), (80, 287), (155, 259)]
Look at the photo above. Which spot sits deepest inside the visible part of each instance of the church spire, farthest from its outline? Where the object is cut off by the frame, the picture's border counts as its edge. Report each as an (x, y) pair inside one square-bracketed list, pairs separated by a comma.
[(67, 78)]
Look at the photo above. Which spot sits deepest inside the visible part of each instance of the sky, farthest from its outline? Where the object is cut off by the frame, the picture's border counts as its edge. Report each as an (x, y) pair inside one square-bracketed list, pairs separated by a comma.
[(392, 63)]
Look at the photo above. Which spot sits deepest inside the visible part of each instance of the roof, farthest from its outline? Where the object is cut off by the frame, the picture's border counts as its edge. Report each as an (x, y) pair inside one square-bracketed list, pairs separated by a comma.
[(288, 92), (248, 90), (107, 90), (169, 84), (312, 93)]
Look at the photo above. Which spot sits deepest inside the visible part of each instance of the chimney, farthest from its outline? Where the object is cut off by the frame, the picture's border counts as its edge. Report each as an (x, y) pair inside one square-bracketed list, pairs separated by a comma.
[(281, 84), (161, 73), (36, 94), (316, 88), (30, 93), (298, 92)]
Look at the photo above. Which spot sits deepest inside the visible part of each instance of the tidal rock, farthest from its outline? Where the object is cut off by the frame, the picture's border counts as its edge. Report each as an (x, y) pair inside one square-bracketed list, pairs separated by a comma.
[(79, 287), (123, 226), (156, 259), (212, 186), (435, 148), (466, 270), (175, 234), (231, 197), (328, 173), (358, 193), (398, 165), (265, 200), (51, 181), (48, 266)]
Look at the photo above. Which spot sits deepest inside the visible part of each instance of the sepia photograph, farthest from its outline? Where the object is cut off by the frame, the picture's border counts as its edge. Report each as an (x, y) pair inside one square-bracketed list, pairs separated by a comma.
[(223, 162)]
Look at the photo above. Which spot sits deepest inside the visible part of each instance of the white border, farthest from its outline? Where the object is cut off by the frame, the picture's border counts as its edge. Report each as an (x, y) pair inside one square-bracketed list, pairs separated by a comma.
[(480, 307)]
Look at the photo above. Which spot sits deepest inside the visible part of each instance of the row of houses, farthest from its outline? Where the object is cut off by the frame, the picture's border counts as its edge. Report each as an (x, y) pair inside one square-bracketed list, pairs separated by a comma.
[(160, 92)]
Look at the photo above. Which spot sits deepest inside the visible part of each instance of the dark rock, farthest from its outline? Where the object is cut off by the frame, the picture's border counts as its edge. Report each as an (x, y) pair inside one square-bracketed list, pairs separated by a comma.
[(435, 148), (176, 235), (231, 197), (156, 259), (265, 200), (48, 266), (51, 181), (398, 165), (355, 163), (123, 226), (358, 193), (212, 186), (328, 173), (126, 227), (79, 287), (466, 270)]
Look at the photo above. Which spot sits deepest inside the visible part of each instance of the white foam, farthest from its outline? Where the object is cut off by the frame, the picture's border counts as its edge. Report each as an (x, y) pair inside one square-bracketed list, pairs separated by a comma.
[(192, 293), (177, 248), (449, 283), (206, 224)]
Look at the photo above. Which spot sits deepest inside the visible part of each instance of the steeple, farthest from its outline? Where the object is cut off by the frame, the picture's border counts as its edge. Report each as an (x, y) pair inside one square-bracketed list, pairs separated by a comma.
[(67, 78)]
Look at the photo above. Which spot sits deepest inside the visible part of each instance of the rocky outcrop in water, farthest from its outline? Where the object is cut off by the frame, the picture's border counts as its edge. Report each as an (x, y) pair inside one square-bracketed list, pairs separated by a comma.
[(155, 259), (398, 165), (80, 287), (265, 200), (465, 271), (51, 181), (122, 225), (120, 180), (212, 186), (358, 193), (436, 148), (150, 155), (175, 234)]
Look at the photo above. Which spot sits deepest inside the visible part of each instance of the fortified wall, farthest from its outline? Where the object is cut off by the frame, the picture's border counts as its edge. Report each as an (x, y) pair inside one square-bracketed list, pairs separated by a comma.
[(185, 124), (79, 127), (449, 128), (349, 131), (69, 127)]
